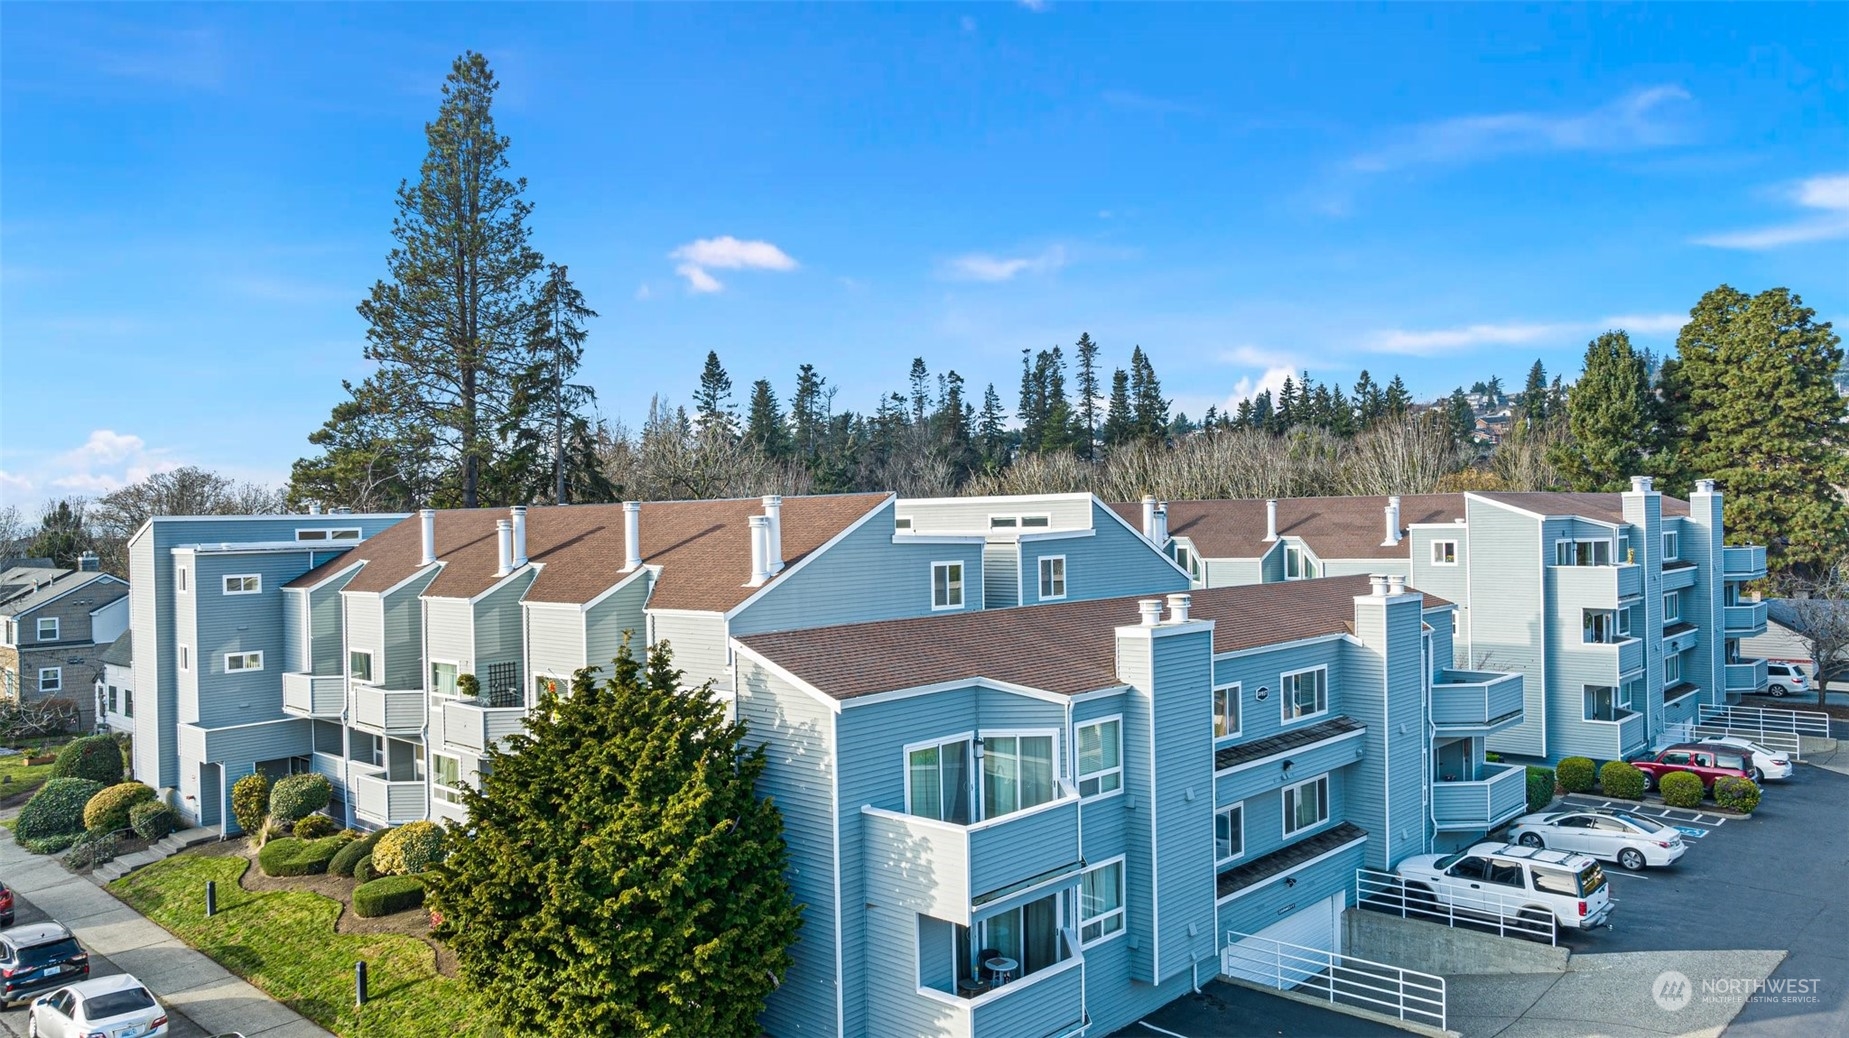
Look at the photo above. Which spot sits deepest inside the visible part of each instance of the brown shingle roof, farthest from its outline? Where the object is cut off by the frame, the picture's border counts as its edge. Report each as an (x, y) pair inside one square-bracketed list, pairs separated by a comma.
[(1607, 507), (1065, 648), (1259, 870), (702, 547), (1333, 527)]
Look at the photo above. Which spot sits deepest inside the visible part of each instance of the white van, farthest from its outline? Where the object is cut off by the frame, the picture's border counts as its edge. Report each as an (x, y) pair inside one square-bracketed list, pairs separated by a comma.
[(1786, 679)]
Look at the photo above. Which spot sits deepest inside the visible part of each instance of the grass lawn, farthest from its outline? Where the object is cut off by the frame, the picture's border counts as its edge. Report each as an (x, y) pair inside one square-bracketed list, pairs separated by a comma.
[(16, 776), (284, 942)]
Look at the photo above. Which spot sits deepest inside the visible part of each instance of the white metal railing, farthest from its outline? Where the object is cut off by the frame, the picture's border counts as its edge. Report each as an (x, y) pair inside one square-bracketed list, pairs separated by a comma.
[(1337, 978), (1774, 729), (1414, 899)]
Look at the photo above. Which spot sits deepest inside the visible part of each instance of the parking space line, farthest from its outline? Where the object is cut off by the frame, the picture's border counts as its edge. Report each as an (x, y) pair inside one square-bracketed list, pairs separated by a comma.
[(1160, 1030)]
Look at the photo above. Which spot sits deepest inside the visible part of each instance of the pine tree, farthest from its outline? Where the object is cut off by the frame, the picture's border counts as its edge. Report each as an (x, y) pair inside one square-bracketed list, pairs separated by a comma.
[(1611, 414), (1765, 420), (1460, 418), (1088, 396), (992, 430), (1370, 402), (63, 534), (1242, 416), (1149, 408), (1056, 430), (1397, 401), (557, 351), (1493, 390), (1119, 421), (809, 414), (764, 425), (620, 875), (1534, 412), (921, 389), (1264, 413), (1284, 414), (1032, 411), (713, 400)]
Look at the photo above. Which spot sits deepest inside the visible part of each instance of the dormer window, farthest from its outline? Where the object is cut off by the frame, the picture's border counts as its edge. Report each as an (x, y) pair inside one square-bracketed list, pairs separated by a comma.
[(1299, 564)]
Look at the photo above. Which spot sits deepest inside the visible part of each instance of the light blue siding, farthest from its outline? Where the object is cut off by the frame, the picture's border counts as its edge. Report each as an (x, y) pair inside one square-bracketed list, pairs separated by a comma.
[(1264, 670), (698, 641), (1262, 905), (555, 638), (326, 653), (449, 624), (1264, 813), (1507, 567), (240, 624), (498, 633), (620, 613), (294, 629), (1181, 798), (402, 665), (1244, 783)]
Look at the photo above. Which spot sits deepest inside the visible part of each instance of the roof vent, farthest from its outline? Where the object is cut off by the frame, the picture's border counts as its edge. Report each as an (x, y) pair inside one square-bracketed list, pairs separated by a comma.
[(1704, 486), (1640, 484), (1149, 611), (1377, 585), (1149, 518), (760, 546), (632, 535), (519, 520), (427, 517), (1178, 605), (504, 545), (1271, 520), (1396, 584), (773, 546)]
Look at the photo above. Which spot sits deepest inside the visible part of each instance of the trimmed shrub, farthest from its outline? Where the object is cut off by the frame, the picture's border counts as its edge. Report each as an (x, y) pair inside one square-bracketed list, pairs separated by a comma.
[(388, 895), (108, 810), (467, 686), (1736, 794), (1576, 774), (298, 796), (152, 820), (1540, 788), (1492, 758), (54, 816), (93, 757), (289, 856), (250, 802), (1621, 780), (315, 827), (93, 848), (350, 855), (409, 849), (1680, 789), (362, 869)]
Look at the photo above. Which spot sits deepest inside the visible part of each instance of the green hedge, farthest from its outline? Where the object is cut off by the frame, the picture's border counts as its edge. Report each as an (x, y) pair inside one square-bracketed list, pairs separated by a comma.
[(363, 870), (250, 802), (1540, 788), (314, 827), (1736, 794), (1576, 774), (152, 820), (298, 796), (1621, 780), (409, 849), (94, 757), (349, 856), (1680, 789), (53, 819), (108, 810), (388, 895), (289, 856)]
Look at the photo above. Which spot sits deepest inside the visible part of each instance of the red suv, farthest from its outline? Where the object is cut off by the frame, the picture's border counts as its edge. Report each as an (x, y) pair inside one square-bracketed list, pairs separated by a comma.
[(1706, 763)]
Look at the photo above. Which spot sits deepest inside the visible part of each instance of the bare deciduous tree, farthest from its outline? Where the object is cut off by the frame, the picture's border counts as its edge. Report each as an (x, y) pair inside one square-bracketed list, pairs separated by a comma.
[(1410, 456), (1817, 611)]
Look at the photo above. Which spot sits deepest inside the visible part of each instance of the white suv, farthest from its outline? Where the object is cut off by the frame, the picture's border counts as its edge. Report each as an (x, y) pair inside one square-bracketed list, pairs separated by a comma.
[(1513, 882), (1785, 678)]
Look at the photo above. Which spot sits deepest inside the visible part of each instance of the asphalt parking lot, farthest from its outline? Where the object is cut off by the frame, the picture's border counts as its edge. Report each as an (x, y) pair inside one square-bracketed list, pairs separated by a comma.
[(13, 1020)]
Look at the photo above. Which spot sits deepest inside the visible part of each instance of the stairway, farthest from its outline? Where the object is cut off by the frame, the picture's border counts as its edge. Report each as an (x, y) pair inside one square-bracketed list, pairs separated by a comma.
[(171, 844)]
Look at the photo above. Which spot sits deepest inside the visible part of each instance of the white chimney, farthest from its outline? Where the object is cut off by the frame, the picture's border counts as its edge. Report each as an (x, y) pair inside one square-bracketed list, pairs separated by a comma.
[(1640, 484), (632, 535), (773, 548), (1149, 610), (760, 537), (1161, 537), (1149, 517), (504, 543), (314, 508), (1704, 486), (519, 558), (1377, 585), (1396, 584), (1271, 520), (1178, 605), (428, 518), (1393, 527)]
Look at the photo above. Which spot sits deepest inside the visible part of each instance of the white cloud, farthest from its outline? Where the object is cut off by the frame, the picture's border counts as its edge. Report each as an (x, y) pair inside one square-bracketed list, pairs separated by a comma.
[(1249, 387), (982, 266), (1643, 119), (1828, 195), (643, 292), (1036, 6), (14, 489), (106, 461), (725, 253), (1432, 342), (1247, 355)]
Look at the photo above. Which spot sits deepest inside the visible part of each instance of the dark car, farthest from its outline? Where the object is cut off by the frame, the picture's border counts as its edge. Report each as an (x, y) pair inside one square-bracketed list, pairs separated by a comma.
[(6, 905), (1705, 762), (38, 957)]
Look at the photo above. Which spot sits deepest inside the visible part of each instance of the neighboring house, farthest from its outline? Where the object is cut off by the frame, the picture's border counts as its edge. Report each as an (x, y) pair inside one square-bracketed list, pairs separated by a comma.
[(115, 687), (1781, 640), (1104, 795), (1623, 611), (54, 624)]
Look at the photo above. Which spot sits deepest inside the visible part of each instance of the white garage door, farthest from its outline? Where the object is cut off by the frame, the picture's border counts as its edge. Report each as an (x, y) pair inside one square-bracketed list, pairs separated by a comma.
[(1287, 952)]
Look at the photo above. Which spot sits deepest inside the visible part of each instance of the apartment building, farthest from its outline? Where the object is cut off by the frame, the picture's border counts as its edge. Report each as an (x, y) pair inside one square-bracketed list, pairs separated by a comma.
[(1623, 612), (1098, 796), (54, 625)]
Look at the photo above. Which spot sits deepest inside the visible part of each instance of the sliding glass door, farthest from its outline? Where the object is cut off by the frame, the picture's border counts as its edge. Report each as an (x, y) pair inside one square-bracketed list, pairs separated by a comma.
[(940, 782), (1017, 773)]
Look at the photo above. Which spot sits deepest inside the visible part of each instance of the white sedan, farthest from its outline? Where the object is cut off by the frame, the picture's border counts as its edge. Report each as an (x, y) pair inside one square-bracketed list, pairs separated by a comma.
[(1630, 840), (119, 1006), (1767, 764)]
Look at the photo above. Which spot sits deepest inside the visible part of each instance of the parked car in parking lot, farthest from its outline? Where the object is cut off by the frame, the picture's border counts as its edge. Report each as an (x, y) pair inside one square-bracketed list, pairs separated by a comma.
[(1630, 840), (36, 957), (6, 905), (1761, 763), (1706, 763), (1786, 679), (108, 1007), (1525, 883)]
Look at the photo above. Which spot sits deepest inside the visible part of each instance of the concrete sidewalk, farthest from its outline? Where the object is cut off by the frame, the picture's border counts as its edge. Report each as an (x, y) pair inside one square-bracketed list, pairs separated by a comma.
[(184, 979)]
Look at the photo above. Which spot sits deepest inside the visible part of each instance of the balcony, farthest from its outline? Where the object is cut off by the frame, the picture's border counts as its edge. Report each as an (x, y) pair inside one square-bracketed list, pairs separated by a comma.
[(1679, 574), (1615, 739), (1746, 676), (383, 802), (314, 695), (1048, 1002), (473, 727), (1744, 620), (1743, 562), (388, 711), (1597, 587), (1499, 793), (1475, 702), (954, 869)]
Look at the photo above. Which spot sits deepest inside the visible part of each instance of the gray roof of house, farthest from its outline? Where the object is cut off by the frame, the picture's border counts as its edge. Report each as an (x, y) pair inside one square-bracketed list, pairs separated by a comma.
[(24, 588), (121, 652)]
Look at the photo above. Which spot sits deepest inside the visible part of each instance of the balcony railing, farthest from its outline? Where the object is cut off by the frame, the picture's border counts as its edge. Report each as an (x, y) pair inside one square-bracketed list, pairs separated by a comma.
[(1744, 620), (470, 725), (1597, 587), (383, 802), (388, 710), (1746, 676), (1617, 738), (1499, 793), (956, 869), (314, 695), (1476, 699), (1743, 561), (1049, 1001)]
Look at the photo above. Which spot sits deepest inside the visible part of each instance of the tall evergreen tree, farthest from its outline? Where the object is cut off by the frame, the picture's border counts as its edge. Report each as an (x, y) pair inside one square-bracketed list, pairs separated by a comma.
[(1264, 412), (63, 534), (764, 424), (547, 396), (1533, 412), (1149, 407), (1765, 419), (1056, 431), (1611, 412), (620, 874), (1032, 411), (1459, 416), (921, 389), (1284, 414), (1119, 419), (713, 401), (1397, 400), (809, 413), (1088, 396), (992, 430), (1370, 402)]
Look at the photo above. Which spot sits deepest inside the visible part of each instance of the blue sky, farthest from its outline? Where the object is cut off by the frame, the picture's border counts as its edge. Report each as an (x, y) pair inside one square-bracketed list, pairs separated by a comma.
[(192, 199)]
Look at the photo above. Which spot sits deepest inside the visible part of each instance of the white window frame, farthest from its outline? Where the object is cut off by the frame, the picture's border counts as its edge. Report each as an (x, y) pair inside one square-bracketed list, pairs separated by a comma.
[(1572, 551), (1288, 793), (1672, 607), (975, 771), (1033, 520), (244, 583), (1624, 623), (1240, 830), (186, 657), (1618, 706), (447, 794), (57, 679), (903, 522), (1672, 659), (1081, 777), (180, 579), (55, 625), (1287, 698), (1306, 562), (354, 674), (1672, 545), (430, 676), (979, 755), (1588, 625), (328, 533), (247, 661), (961, 585), (1224, 694), (1048, 580), (1186, 559), (1437, 560), (1104, 918)]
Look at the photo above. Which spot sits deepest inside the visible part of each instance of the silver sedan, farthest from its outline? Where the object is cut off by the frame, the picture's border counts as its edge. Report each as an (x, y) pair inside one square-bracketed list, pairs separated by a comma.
[(1632, 841)]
